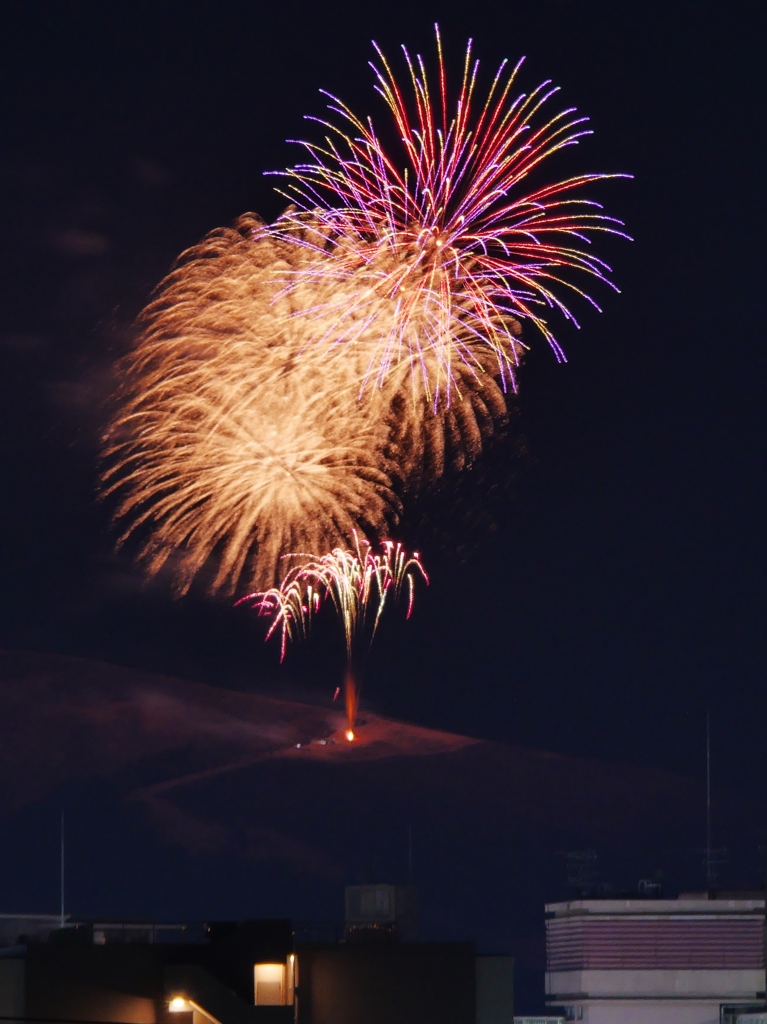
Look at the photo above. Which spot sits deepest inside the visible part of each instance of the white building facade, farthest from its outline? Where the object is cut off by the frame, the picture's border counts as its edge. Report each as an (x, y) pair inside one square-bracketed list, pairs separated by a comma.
[(693, 960)]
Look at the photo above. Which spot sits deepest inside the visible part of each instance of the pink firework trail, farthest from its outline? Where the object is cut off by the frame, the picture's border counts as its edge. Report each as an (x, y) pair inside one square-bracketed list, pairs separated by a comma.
[(445, 237), (358, 581)]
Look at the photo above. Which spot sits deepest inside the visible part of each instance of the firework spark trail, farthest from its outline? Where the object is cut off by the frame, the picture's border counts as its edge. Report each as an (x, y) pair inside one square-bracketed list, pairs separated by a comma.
[(357, 581), (238, 439), (230, 441), (425, 441), (290, 606), (429, 431), (452, 249)]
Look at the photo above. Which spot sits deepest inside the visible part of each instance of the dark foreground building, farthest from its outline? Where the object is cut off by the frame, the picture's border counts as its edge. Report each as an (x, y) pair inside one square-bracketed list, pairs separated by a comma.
[(251, 972), (407, 983), (147, 974)]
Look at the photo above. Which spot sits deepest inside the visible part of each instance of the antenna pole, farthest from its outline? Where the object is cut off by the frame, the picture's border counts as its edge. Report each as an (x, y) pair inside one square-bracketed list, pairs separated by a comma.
[(410, 854), (62, 867), (709, 872)]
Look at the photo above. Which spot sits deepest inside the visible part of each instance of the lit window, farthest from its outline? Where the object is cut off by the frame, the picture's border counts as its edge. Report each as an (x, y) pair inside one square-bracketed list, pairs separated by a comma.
[(269, 984)]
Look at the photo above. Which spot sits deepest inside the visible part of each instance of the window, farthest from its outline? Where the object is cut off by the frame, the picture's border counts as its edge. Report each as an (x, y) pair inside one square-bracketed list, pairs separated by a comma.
[(269, 985)]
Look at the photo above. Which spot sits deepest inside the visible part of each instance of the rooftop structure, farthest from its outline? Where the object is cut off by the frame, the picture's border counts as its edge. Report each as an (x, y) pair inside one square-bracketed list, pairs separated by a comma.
[(380, 912)]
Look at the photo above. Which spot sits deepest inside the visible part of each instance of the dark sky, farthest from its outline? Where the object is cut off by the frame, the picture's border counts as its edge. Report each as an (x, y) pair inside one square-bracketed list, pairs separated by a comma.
[(591, 595)]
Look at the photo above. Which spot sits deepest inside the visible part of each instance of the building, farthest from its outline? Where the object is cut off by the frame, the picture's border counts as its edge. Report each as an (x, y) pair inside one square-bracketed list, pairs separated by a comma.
[(379, 973), (381, 982), (250, 972), (693, 960), (142, 973)]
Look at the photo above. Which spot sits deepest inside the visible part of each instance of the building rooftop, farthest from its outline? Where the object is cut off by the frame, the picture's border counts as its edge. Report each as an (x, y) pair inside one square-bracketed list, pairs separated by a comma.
[(685, 904)]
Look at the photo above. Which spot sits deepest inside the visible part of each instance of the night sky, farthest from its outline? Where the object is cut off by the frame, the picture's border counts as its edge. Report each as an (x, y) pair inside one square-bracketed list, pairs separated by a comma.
[(598, 578)]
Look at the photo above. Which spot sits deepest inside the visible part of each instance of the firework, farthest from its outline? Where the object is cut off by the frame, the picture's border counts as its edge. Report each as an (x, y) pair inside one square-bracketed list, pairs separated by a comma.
[(427, 438), (448, 244), (358, 581), (238, 439), (289, 606), (290, 382), (428, 432), (231, 446)]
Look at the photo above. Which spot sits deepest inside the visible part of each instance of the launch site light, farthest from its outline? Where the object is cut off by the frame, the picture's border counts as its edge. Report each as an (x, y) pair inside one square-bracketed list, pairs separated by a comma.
[(178, 1004)]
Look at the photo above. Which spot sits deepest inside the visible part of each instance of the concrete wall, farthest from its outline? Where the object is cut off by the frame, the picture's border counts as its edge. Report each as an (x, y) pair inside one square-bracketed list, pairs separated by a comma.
[(495, 989), (723, 986), (75, 982), (650, 1012), (418, 983), (12, 988)]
